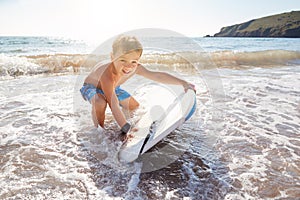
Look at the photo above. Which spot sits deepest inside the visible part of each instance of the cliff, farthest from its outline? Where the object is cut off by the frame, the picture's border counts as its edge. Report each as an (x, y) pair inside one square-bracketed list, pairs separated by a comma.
[(280, 25)]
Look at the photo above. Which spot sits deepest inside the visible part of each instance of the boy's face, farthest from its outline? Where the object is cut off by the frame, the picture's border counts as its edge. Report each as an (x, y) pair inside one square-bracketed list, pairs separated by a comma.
[(126, 63)]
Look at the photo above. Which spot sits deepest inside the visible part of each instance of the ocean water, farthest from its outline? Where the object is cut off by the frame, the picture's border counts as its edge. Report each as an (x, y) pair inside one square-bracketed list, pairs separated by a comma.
[(243, 142)]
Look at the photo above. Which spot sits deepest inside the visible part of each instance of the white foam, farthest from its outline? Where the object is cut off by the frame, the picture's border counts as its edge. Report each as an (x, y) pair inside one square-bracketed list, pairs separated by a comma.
[(15, 66), (135, 178)]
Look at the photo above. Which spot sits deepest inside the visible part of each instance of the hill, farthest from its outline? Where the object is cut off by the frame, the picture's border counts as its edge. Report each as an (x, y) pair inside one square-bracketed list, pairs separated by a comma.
[(280, 25)]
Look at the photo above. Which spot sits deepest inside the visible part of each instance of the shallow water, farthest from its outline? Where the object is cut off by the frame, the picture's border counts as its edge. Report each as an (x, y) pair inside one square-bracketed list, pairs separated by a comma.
[(242, 143), (260, 139)]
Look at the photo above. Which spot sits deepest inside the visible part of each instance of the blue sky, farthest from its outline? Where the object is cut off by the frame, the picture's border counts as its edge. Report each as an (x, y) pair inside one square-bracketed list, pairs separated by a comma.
[(95, 19)]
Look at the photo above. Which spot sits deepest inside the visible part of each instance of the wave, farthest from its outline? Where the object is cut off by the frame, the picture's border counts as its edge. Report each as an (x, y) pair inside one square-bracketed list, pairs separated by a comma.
[(28, 65), (227, 59), (268, 58), (11, 66)]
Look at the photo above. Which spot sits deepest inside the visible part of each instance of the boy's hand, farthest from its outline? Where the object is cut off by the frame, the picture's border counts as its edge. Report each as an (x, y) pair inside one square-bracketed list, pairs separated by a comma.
[(125, 132), (187, 86), (126, 138)]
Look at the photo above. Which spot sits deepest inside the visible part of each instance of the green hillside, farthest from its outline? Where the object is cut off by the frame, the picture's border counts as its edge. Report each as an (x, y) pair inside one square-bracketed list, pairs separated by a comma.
[(280, 25)]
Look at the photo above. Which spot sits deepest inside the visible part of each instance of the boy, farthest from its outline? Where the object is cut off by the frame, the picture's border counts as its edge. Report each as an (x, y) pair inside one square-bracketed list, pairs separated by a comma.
[(102, 85)]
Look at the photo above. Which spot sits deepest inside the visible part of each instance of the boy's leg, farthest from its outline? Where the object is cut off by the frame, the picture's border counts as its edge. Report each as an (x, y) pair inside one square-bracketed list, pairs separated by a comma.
[(126, 100), (129, 103), (98, 110)]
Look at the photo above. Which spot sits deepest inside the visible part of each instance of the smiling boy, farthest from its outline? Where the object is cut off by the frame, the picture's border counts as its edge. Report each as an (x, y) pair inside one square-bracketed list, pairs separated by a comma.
[(102, 86)]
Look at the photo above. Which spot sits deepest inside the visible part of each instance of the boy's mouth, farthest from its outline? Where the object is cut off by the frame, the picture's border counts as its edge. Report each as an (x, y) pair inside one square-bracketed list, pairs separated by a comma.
[(126, 71)]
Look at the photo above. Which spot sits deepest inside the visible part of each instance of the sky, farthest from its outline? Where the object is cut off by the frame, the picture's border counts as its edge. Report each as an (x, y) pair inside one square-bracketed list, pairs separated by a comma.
[(102, 19)]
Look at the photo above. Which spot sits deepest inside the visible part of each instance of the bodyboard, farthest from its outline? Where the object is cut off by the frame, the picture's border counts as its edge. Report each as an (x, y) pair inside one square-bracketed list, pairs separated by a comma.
[(167, 107)]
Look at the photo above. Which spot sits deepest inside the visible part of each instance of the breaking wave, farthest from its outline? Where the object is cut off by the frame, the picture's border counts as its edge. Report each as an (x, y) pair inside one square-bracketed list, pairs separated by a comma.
[(29, 65)]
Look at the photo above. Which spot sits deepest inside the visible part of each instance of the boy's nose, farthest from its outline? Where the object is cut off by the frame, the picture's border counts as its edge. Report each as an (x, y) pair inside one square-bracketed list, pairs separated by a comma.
[(131, 65)]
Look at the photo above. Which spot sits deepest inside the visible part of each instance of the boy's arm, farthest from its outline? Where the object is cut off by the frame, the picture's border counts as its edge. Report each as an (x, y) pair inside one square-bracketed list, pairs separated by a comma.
[(163, 77), (112, 100)]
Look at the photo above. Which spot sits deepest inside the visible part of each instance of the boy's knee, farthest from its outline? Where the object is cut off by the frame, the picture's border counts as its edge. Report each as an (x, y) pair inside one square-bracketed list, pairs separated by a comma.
[(99, 101), (134, 105)]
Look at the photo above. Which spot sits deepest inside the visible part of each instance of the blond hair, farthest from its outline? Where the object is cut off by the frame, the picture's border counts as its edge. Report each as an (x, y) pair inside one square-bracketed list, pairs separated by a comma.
[(125, 44)]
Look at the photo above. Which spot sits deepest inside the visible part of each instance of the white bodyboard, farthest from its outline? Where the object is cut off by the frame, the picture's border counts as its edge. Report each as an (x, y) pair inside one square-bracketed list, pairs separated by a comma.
[(167, 107)]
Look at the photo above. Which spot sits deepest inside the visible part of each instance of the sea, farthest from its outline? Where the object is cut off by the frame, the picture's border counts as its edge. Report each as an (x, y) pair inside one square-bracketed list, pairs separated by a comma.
[(243, 141)]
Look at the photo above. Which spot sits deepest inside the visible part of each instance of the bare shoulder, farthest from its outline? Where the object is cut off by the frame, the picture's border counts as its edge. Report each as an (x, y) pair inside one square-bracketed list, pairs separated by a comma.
[(141, 70), (100, 68)]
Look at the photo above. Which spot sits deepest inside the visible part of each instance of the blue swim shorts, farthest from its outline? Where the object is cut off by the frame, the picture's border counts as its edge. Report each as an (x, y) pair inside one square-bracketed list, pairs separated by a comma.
[(88, 91)]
